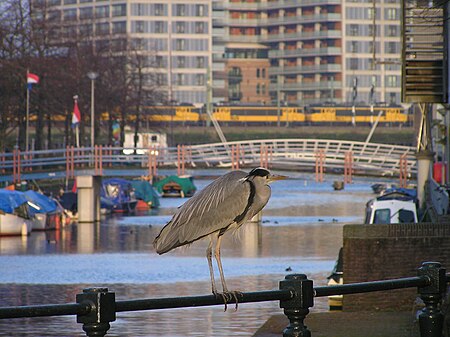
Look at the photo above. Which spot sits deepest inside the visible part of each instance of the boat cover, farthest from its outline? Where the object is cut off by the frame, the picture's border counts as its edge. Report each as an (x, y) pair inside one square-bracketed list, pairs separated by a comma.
[(10, 200), (45, 204), (117, 189), (145, 191), (186, 184)]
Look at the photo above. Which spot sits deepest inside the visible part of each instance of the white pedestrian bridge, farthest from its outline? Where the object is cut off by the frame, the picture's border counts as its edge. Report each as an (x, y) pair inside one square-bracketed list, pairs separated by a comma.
[(284, 154)]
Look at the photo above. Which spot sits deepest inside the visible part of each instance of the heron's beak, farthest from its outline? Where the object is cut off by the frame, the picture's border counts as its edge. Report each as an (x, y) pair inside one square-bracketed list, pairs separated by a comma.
[(275, 177)]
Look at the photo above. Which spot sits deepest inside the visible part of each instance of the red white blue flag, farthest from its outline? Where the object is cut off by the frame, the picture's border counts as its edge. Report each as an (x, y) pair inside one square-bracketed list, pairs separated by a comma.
[(32, 79), (76, 117)]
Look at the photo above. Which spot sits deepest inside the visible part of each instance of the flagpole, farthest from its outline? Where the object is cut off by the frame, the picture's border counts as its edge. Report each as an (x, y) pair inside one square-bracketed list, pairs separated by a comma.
[(77, 133), (28, 113)]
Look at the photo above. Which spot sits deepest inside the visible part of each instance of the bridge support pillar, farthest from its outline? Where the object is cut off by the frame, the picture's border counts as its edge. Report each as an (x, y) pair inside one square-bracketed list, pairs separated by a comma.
[(89, 198), (424, 160)]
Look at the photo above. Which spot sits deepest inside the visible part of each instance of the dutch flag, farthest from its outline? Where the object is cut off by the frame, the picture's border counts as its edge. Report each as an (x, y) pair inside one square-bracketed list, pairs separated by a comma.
[(32, 79)]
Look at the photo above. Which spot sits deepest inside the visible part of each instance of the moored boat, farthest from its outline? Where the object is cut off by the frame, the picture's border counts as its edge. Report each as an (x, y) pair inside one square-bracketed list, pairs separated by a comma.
[(121, 192), (15, 216), (47, 213), (395, 205), (176, 186), (146, 194)]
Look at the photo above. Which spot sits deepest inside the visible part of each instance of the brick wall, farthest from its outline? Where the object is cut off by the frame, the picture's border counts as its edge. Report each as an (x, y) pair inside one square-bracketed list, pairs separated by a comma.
[(377, 252)]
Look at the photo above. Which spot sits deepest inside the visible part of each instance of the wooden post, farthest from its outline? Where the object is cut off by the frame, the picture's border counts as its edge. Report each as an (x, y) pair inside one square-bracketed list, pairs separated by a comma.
[(348, 167), (183, 159), (403, 171), (320, 161), (178, 159)]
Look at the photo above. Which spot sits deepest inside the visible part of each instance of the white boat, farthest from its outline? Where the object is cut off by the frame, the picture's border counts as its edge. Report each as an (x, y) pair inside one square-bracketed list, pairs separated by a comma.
[(46, 212), (15, 218), (394, 206)]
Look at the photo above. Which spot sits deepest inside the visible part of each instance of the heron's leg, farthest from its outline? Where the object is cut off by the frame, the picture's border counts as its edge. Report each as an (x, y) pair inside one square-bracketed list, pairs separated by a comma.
[(219, 264), (228, 295), (211, 270)]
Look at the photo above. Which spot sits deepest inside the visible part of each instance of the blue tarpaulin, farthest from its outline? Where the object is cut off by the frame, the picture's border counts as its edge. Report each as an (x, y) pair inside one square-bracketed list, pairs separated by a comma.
[(10, 200), (45, 204)]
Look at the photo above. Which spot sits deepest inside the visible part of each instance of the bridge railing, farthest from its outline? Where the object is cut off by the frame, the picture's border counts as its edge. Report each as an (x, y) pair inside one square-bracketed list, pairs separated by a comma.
[(96, 308), (377, 159)]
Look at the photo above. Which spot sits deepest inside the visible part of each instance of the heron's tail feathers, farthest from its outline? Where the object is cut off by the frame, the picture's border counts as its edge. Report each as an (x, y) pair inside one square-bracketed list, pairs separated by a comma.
[(166, 240)]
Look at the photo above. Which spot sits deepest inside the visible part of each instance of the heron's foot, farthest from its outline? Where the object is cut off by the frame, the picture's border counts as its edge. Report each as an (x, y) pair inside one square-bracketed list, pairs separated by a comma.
[(229, 296)]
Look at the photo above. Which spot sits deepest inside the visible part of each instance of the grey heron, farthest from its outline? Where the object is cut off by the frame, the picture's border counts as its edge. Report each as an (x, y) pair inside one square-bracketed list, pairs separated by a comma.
[(224, 205)]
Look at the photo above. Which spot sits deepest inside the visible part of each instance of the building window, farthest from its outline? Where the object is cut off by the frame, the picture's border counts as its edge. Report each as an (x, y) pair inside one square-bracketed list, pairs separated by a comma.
[(392, 14), (200, 79), (258, 74), (353, 47), (86, 13), (180, 10), (139, 26), (119, 27), (102, 12), (179, 44), (353, 63), (102, 28), (391, 81), (200, 10), (200, 27), (70, 14), (180, 27), (353, 31), (159, 61), (391, 47), (159, 27), (263, 73), (179, 79), (392, 30), (200, 62), (258, 89), (159, 9), (119, 10), (181, 61)]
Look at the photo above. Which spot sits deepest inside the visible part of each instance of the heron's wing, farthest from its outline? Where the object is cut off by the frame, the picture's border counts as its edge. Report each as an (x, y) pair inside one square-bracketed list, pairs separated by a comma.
[(213, 208)]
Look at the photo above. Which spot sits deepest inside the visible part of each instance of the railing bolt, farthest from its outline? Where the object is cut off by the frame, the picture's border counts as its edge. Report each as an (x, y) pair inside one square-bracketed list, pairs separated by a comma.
[(297, 308), (431, 319), (103, 311)]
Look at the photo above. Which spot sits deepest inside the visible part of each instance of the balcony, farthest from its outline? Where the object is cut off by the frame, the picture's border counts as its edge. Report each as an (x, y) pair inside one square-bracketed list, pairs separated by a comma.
[(319, 68), (298, 36), (305, 52), (299, 86)]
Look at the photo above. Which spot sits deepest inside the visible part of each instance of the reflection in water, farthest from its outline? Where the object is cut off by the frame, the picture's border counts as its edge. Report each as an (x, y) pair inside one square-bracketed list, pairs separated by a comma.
[(301, 229)]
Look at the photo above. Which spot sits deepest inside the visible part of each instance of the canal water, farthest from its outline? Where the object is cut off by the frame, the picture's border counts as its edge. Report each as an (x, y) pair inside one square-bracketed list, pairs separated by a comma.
[(301, 232)]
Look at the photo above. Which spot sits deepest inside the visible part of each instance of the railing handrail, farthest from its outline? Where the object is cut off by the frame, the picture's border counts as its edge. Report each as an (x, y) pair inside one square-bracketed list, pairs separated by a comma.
[(284, 153), (97, 307)]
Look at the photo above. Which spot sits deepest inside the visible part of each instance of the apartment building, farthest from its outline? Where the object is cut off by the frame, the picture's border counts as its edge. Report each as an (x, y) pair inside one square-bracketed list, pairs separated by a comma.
[(318, 50), (255, 51), (177, 37)]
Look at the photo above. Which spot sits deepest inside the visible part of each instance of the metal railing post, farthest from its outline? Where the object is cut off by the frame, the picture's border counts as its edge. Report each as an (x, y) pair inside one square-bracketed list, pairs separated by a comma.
[(431, 319), (297, 308), (103, 311)]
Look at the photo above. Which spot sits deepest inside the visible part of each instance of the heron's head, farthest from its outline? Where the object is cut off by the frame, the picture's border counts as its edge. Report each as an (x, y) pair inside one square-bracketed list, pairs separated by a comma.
[(262, 173)]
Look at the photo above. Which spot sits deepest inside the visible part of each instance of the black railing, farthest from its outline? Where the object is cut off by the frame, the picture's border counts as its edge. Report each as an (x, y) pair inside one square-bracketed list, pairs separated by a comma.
[(96, 308)]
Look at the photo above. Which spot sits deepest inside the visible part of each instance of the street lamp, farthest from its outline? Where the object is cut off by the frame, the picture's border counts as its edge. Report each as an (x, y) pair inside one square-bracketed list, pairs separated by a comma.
[(92, 76)]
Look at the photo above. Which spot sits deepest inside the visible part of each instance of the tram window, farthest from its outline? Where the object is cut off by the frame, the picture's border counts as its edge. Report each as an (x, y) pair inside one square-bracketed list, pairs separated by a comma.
[(405, 216), (382, 216)]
